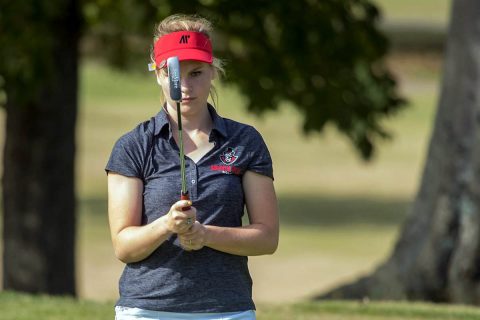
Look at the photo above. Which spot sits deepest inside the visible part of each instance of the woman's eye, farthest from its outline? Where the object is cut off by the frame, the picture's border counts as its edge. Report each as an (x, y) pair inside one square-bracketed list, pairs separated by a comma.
[(196, 73)]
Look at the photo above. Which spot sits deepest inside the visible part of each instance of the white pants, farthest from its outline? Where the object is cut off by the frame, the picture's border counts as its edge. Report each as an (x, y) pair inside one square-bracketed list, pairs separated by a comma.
[(126, 313)]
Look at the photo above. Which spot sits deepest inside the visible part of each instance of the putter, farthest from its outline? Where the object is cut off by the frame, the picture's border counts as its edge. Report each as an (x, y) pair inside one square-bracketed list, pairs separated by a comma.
[(173, 66)]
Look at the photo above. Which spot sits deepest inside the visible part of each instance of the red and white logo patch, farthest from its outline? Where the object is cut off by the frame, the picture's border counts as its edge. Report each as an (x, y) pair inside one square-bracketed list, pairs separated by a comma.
[(228, 156)]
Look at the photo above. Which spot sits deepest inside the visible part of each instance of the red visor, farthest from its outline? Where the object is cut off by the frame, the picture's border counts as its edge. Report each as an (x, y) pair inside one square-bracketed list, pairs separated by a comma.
[(186, 45)]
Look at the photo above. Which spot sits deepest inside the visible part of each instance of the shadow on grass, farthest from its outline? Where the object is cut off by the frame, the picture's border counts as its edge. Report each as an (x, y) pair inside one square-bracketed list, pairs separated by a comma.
[(313, 211), (333, 211)]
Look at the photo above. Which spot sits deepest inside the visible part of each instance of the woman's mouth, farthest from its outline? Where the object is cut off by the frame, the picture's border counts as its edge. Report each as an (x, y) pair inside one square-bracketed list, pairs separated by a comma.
[(186, 99)]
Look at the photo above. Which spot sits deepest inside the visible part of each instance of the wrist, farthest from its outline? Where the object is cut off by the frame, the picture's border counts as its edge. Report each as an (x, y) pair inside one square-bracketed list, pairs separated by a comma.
[(163, 221), (207, 235)]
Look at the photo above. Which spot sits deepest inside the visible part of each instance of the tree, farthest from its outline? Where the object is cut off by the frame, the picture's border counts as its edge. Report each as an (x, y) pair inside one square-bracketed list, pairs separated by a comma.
[(437, 256), (323, 56), (39, 49)]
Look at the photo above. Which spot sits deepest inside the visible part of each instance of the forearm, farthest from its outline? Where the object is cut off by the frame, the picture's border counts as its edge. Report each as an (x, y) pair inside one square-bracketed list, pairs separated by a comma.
[(251, 240), (136, 243)]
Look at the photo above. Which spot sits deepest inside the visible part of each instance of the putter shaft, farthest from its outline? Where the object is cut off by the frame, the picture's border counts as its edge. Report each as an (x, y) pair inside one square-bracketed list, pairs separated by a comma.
[(184, 192)]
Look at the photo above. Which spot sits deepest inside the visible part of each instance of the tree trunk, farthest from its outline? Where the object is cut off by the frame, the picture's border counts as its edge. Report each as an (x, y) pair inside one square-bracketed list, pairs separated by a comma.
[(437, 257), (38, 181)]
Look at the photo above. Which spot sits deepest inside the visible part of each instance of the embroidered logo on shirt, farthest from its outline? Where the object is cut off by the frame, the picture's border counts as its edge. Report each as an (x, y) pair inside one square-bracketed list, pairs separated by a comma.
[(228, 156)]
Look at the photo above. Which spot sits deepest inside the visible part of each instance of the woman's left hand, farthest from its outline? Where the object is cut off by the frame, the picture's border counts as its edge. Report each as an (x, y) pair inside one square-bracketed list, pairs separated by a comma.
[(194, 238)]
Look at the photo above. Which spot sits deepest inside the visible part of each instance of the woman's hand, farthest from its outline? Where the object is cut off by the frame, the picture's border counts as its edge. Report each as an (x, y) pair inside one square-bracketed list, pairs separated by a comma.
[(178, 221), (194, 238)]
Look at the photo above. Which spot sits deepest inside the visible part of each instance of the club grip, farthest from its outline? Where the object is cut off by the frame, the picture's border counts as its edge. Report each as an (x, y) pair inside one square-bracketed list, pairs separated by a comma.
[(185, 196)]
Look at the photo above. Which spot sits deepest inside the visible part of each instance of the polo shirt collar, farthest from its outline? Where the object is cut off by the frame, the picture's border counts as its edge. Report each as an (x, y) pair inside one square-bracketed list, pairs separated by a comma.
[(161, 121), (218, 122)]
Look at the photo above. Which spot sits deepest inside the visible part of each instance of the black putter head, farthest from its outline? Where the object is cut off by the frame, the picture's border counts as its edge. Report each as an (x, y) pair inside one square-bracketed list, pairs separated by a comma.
[(173, 66)]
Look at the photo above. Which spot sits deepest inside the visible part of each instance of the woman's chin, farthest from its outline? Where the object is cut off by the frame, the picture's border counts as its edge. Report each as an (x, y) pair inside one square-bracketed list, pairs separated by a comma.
[(189, 109)]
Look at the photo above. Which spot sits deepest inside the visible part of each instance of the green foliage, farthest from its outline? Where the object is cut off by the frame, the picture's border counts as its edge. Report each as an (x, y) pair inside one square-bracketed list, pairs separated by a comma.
[(119, 30), (323, 57), (27, 45)]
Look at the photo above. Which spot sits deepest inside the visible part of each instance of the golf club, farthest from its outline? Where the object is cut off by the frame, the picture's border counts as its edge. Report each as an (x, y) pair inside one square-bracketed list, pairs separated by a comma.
[(173, 66)]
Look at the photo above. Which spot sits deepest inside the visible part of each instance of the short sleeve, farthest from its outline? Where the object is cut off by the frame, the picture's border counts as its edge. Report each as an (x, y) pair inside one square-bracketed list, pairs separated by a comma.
[(260, 159), (127, 157)]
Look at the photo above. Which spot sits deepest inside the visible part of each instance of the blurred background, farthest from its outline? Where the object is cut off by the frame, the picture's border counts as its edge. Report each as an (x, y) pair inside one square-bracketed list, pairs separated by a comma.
[(340, 215)]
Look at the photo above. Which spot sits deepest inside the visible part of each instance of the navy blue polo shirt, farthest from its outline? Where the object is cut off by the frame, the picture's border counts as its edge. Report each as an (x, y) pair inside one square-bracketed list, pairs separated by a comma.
[(172, 279)]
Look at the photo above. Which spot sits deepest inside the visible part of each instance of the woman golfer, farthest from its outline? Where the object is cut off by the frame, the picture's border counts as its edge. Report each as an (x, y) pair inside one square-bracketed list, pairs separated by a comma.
[(189, 263)]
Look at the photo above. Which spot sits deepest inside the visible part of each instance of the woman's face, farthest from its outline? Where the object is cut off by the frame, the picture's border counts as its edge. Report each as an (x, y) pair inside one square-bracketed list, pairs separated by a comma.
[(196, 79)]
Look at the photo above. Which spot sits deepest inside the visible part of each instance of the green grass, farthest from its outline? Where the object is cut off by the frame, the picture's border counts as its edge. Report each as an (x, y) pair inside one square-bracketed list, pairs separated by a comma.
[(30, 307), (15, 306), (330, 310)]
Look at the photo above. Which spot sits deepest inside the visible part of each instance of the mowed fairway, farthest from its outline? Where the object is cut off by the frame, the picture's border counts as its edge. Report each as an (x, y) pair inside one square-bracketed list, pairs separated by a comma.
[(28, 307), (339, 215)]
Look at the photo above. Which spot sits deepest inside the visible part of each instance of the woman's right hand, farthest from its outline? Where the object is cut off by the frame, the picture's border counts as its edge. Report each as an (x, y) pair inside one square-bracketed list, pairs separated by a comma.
[(178, 221)]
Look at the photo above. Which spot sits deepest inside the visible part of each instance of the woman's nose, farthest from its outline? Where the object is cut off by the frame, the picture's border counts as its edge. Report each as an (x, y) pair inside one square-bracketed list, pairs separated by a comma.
[(185, 83)]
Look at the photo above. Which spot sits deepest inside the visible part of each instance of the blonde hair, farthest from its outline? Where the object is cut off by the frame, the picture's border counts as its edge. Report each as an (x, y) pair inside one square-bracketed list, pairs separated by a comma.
[(184, 22)]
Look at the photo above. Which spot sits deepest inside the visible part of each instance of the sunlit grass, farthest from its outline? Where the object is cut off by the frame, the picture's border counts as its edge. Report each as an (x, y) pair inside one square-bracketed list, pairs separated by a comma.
[(29, 307), (341, 310)]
